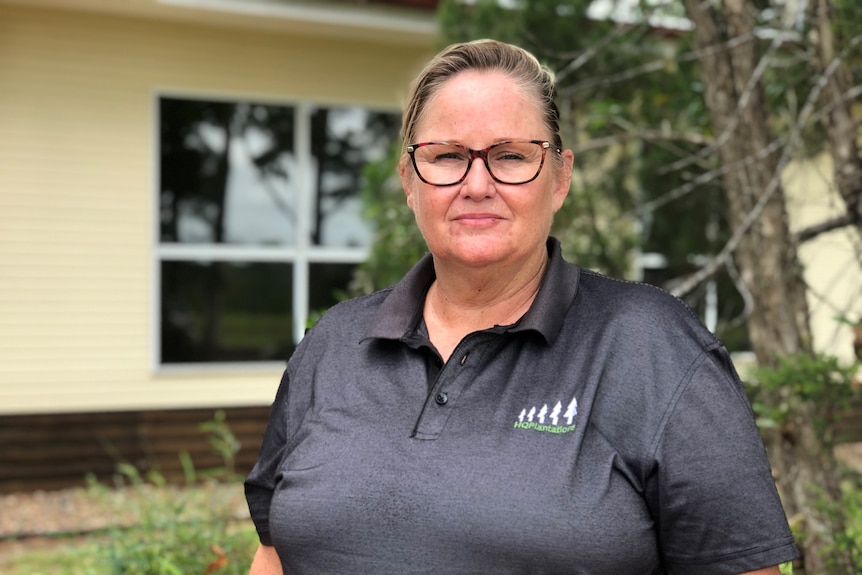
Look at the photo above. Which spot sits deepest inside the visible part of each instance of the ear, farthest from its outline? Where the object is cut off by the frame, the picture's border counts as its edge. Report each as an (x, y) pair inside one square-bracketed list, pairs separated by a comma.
[(405, 172), (564, 179)]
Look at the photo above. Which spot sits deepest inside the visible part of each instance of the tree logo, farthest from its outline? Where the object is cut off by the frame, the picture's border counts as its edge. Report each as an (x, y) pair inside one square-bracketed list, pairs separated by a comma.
[(549, 420)]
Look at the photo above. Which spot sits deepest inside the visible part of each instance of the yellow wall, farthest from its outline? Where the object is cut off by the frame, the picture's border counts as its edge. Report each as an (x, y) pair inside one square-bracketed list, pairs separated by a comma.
[(832, 261), (77, 126)]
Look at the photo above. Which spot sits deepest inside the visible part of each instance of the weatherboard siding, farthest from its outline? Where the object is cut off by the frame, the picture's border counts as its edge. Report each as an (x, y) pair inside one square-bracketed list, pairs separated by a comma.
[(77, 126)]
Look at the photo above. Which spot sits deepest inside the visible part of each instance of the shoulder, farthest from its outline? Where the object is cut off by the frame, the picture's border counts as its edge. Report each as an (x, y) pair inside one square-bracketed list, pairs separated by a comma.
[(639, 312), (631, 295), (648, 347), (352, 314)]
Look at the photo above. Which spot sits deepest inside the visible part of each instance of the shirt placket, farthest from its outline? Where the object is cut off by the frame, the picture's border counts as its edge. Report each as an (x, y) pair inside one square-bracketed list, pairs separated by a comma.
[(452, 380)]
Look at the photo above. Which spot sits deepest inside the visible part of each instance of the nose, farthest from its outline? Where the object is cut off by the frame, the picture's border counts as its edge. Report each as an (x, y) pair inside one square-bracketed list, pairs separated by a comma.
[(478, 183)]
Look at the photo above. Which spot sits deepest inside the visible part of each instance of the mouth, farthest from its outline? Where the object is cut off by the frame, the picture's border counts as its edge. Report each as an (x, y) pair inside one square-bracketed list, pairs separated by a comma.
[(478, 218)]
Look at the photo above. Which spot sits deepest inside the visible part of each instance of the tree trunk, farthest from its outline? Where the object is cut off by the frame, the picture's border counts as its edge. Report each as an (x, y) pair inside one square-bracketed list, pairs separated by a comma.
[(804, 467), (839, 121)]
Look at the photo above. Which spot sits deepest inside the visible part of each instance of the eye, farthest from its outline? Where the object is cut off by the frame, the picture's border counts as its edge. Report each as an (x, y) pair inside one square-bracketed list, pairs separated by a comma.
[(452, 155), (507, 155), (443, 154)]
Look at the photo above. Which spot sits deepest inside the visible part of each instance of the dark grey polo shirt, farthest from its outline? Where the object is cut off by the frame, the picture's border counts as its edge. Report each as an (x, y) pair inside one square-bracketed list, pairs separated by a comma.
[(606, 433)]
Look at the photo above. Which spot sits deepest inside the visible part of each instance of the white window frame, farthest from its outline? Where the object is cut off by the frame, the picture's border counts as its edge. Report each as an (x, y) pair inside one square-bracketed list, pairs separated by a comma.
[(301, 255)]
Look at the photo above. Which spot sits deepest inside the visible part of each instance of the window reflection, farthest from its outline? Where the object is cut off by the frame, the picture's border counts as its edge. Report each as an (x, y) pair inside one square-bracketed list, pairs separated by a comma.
[(343, 141), (327, 285), (218, 311), (228, 173)]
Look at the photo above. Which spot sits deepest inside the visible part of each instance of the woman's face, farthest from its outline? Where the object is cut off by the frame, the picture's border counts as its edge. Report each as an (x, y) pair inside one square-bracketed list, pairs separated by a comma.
[(479, 221)]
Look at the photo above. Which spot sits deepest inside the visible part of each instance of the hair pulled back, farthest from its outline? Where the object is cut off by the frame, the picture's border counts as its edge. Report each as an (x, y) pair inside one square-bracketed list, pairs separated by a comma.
[(484, 56)]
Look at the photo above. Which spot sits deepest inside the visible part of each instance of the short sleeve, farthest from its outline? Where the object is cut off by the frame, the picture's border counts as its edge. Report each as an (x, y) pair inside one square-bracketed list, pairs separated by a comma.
[(712, 492), (263, 478)]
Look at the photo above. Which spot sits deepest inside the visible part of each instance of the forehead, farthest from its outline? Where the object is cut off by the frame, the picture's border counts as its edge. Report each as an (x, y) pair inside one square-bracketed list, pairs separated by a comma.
[(481, 107)]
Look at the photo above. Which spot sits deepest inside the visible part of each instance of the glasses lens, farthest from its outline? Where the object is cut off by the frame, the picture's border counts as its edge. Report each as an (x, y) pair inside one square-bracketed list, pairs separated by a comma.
[(509, 162), (441, 164), (515, 162)]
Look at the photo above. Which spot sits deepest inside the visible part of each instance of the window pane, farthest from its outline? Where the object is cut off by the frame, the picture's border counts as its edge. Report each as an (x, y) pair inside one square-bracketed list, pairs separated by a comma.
[(217, 311), (328, 285), (343, 140), (228, 173)]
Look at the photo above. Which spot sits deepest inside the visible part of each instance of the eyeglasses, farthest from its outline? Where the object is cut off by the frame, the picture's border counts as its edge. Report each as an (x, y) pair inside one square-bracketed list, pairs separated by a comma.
[(510, 162)]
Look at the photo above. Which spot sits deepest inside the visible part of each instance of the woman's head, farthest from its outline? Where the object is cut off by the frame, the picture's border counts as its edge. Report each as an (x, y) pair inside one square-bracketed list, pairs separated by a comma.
[(536, 81), (491, 102)]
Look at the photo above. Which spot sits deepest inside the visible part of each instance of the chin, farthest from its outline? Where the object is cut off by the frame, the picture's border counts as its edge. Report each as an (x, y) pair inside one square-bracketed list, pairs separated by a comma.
[(477, 251)]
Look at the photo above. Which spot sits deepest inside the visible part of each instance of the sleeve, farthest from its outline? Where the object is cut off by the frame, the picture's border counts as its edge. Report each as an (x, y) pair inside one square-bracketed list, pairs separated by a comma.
[(712, 494), (264, 476)]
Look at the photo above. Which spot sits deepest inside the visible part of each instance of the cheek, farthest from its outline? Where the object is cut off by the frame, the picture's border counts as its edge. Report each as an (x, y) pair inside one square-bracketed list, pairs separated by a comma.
[(417, 201), (538, 213)]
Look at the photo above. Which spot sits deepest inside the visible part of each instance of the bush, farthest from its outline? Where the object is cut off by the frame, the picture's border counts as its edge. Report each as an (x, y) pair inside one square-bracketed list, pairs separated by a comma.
[(191, 531)]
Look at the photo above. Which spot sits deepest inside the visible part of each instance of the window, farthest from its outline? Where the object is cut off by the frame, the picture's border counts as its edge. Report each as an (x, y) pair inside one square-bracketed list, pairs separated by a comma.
[(260, 221)]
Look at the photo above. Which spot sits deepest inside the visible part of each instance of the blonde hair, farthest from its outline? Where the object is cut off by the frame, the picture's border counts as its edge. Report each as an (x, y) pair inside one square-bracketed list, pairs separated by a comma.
[(487, 56)]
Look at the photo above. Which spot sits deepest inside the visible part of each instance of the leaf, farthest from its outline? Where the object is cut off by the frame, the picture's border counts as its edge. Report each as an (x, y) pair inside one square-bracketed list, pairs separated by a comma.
[(220, 562)]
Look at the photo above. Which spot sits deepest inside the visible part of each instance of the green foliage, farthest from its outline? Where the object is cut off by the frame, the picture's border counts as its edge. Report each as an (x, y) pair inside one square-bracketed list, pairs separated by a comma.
[(484, 21), (847, 510), (223, 441), (162, 530), (177, 535), (848, 28), (181, 532), (398, 244), (820, 385), (813, 378), (65, 557)]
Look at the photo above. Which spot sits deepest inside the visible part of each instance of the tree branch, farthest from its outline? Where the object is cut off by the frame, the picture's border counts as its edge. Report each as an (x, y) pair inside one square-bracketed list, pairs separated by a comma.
[(587, 55), (812, 232), (653, 66), (741, 105), (647, 136), (706, 178), (726, 252)]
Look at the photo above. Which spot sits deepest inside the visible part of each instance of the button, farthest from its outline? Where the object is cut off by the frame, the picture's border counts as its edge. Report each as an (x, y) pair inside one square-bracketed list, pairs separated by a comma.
[(441, 398)]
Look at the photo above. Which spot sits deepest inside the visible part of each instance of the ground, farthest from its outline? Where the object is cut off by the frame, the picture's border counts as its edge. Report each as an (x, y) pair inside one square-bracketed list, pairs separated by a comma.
[(34, 520)]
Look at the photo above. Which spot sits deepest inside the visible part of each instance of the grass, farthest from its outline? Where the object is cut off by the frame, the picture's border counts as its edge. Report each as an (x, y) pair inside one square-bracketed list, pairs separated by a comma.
[(144, 529), (91, 555), (61, 556)]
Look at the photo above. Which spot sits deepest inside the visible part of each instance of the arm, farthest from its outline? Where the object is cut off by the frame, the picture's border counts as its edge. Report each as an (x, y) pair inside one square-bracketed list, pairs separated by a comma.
[(260, 484), (712, 463), (266, 562)]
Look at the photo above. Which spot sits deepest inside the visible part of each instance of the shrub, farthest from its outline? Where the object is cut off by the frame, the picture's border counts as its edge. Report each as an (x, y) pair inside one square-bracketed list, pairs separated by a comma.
[(191, 531)]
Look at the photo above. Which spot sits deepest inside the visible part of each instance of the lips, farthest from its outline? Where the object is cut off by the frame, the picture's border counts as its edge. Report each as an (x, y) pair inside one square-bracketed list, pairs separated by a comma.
[(477, 217)]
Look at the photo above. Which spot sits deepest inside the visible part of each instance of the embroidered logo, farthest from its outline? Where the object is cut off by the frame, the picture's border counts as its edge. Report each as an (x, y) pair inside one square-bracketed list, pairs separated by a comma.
[(549, 421)]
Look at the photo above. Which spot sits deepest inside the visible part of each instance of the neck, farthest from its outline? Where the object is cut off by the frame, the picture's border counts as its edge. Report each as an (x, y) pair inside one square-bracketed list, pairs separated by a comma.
[(462, 301), (493, 293)]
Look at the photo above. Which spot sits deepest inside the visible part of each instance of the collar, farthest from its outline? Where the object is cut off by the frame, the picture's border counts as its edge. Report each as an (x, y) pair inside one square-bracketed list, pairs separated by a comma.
[(399, 314)]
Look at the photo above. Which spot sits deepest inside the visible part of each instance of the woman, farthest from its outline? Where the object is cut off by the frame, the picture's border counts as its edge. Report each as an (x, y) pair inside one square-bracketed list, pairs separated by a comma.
[(500, 410)]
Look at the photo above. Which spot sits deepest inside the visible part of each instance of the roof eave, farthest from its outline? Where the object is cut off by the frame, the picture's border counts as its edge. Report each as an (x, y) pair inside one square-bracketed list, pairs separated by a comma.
[(378, 23)]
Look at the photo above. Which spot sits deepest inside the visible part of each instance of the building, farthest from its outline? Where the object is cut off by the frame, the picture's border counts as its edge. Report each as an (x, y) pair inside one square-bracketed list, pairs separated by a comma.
[(177, 177)]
